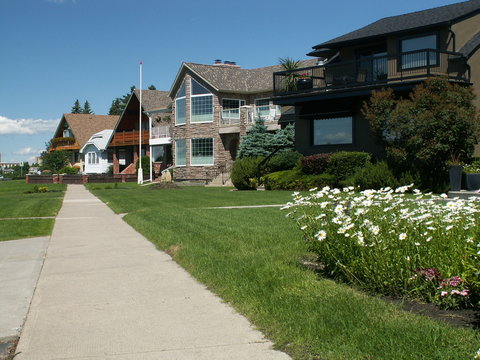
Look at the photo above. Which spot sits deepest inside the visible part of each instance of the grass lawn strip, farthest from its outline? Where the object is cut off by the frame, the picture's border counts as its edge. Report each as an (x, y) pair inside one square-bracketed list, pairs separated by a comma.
[(23, 214), (250, 257)]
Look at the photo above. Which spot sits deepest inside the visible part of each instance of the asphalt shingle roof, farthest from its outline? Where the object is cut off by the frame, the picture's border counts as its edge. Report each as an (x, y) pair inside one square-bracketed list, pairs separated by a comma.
[(153, 99), (231, 79), (85, 125), (471, 46), (406, 22)]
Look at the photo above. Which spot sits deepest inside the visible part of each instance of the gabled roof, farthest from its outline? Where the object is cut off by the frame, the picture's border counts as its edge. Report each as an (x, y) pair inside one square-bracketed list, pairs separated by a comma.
[(100, 140), (153, 99), (232, 79), (83, 126), (438, 16)]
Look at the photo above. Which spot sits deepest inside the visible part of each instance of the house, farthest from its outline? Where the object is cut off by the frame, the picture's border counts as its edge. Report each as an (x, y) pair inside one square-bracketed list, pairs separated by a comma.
[(125, 142), (75, 130), (397, 52), (213, 107), (95, 154)]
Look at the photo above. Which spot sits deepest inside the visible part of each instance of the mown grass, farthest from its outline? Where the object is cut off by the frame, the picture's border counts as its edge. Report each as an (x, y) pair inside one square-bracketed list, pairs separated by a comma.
[(17, 203), (250, 257)]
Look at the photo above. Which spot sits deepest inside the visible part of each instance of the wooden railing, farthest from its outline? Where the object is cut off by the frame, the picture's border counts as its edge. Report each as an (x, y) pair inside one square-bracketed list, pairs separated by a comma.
[(122, 138)]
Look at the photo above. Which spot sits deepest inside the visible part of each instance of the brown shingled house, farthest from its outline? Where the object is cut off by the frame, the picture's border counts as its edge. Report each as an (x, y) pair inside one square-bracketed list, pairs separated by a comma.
[(398, 52), (74, 130), (156, 108), (214, 106)]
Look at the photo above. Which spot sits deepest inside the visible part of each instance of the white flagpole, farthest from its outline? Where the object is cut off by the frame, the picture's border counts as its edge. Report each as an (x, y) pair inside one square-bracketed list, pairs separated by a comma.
[(140, 170)]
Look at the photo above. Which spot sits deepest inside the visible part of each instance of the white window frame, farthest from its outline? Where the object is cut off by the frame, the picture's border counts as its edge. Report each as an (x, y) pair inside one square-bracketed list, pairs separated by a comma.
[(176, 153), (92, 158), (176, 106), (213, 152), (241, 103), (264, 117), (198, 96)]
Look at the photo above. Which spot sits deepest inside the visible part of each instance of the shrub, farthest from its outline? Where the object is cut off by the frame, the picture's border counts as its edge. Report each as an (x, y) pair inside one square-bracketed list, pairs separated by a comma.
[(296, 180), (68, 170), (244, 173), (315, 164), (284, 161), (373, 176), (343, 164), (145, 165)]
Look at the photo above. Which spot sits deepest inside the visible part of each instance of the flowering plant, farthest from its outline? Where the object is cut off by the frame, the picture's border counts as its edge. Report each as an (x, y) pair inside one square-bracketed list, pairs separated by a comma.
[(303, 76), (378, 238)]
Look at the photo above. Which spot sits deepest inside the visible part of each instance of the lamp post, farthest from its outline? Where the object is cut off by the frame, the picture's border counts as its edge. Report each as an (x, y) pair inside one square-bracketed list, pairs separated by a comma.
[(140, 170)]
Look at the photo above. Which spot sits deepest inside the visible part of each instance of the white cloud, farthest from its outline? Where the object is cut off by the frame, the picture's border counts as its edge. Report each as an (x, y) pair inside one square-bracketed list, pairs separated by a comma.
[(27, 151), (26, 126)]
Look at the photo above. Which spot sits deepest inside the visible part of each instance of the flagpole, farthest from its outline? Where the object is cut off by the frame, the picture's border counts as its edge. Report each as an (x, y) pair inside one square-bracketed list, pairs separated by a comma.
[(140, 170)]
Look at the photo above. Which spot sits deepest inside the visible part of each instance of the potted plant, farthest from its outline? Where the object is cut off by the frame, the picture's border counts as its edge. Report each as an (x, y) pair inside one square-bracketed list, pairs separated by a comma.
[(455, 173), (472, 175), (304, 81), (290, 65)]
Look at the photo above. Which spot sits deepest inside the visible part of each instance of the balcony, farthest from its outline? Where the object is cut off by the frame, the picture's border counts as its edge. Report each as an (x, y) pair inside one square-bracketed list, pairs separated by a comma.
[(160, 135), (63, 143), (125, 138), (368, 72)]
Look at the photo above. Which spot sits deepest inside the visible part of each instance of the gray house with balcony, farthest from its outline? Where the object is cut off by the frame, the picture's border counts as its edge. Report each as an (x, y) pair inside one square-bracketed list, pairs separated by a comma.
[(397, 52), (213, 108)]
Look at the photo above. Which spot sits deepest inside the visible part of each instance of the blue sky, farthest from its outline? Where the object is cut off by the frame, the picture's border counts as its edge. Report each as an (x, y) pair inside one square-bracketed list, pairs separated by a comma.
[(56, 51)]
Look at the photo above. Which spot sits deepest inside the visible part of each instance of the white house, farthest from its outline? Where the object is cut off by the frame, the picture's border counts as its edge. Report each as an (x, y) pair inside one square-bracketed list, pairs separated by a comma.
[(97, 157)]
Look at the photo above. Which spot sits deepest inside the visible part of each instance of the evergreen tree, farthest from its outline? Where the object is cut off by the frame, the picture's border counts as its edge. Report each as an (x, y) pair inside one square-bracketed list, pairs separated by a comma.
[(119, 103), (76, 108), (86, 108), (152, 87)]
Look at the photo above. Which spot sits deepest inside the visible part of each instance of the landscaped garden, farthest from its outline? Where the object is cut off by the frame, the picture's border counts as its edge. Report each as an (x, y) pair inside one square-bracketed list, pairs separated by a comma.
[(254, 258), (23, 206)]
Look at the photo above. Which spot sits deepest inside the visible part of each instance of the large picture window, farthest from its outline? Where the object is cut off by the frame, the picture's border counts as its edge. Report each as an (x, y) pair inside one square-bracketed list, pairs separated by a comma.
[(201, 151), (181, 106), (180, 152), (201, 102), (415, 57), (231, 108), (333, 131)]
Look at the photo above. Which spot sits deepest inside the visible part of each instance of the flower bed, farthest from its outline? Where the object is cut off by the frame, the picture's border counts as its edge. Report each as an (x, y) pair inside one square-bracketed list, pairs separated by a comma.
[(394, 243)]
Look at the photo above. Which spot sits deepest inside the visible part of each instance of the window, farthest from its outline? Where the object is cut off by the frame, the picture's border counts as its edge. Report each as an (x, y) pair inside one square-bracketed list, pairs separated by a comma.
[(67, 133), (201, 102), (333, 131), (92, 158), (201, 151), (231, 108), (415, 57), (181, 106), (180, 152), (262, 108)]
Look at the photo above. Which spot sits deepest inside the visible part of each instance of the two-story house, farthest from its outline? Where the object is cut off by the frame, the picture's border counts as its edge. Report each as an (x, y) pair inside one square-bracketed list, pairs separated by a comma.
[(125, 142), (213, 107), (75, 130), (397, 52)]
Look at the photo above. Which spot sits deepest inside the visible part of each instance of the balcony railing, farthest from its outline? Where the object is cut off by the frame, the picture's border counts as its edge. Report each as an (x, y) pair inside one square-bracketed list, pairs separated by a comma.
[(160, 132), (122, 138), (63, 143), (371, 71)]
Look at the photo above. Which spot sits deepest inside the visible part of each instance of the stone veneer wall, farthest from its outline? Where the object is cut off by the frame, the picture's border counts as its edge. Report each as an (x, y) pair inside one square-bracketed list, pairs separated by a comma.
[(221, 143)]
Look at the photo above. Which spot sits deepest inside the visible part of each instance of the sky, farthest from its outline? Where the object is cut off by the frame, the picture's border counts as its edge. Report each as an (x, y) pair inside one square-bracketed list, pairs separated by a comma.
[(56, 51)]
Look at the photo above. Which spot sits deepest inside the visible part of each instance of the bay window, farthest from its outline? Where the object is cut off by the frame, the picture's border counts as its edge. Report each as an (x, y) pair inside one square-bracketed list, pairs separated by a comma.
[(180, 152), (201, 151), (201, 103)]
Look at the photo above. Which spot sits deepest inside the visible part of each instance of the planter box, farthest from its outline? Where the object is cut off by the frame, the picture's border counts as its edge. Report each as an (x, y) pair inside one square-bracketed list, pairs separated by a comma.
[(473, 181), (303, 84), (455, 175)]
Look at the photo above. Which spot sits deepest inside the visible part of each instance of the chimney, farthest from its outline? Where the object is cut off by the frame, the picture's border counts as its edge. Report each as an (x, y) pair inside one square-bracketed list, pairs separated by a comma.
[(218, 62)]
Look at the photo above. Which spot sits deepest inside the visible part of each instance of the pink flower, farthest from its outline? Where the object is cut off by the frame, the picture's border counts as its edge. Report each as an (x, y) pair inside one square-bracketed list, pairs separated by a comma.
[(464, 292), (444, 293), (455, 292)]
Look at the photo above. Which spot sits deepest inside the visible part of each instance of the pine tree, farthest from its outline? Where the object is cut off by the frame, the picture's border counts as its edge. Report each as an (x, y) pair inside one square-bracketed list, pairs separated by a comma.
[(76, 108), (86, 108)]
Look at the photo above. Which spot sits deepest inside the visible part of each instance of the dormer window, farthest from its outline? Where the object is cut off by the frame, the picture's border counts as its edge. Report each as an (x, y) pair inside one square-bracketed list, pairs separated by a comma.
[(415, 51), (67, 133)]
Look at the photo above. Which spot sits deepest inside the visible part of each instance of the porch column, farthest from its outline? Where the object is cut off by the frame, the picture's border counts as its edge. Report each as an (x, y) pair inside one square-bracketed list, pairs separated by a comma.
[(116, 165)]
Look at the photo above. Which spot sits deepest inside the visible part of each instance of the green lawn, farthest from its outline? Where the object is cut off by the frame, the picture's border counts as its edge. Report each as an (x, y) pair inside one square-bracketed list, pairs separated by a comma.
[(17, 203), (250, 257)]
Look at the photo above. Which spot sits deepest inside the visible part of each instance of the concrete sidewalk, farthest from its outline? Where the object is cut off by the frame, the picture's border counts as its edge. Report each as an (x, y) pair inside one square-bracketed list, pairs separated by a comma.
[(105, 292)]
